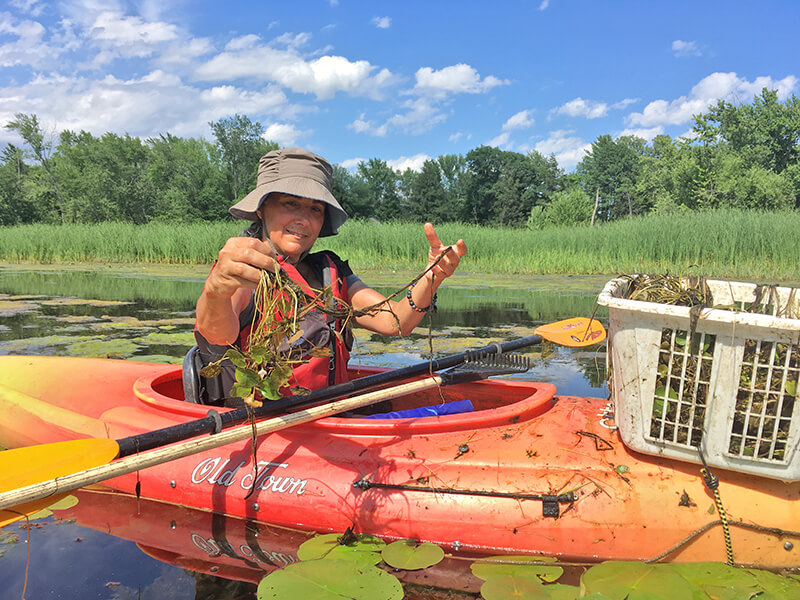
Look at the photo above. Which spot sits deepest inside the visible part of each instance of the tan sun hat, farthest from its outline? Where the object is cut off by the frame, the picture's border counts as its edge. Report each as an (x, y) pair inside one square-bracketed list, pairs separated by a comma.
[(299, 173)]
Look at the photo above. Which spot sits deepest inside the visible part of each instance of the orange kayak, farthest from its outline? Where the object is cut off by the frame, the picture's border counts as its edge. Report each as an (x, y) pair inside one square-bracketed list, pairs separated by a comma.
[(525, 472)]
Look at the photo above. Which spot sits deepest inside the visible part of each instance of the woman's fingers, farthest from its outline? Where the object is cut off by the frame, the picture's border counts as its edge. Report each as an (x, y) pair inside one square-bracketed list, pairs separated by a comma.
[(449, 262), (239, 265)]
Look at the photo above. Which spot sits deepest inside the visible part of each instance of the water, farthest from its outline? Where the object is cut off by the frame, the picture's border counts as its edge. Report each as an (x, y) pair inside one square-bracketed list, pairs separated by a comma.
[(130, 314)]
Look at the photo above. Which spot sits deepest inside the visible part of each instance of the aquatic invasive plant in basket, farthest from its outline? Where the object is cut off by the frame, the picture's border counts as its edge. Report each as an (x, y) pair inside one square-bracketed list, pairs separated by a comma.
[(768, 376), (765, 400)]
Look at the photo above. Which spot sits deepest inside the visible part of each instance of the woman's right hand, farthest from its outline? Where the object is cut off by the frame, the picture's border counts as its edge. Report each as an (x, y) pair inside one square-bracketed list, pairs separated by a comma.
[(239, 266)]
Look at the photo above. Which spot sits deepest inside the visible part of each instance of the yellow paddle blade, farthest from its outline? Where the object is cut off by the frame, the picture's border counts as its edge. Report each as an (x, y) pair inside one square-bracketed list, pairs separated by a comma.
[(576, 332), (10, 515), (21, 467)]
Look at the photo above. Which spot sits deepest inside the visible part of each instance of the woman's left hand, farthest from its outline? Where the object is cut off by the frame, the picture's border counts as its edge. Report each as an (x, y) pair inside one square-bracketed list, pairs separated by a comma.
[(446, 266)]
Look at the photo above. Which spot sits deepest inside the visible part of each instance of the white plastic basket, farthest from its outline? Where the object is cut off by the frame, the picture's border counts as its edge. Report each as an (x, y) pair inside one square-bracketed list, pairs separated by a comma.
[(734, 384)]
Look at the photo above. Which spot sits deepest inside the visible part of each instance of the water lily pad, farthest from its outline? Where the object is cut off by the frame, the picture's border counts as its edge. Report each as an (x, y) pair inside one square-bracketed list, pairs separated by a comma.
[(715, 574), (621, 580), (81, 302), (507, 588), (411, 555), (559, 591), (364, 550), (328, 579), (501, 566), (772, 583), (118, 348), (159, 358)]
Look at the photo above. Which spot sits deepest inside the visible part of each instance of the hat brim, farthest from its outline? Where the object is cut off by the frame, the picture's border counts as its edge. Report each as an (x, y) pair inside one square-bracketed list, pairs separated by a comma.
[(296, 186)]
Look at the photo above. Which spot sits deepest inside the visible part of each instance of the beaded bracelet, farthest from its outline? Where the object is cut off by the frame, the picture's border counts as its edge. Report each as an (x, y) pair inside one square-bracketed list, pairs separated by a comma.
[(417, 308)]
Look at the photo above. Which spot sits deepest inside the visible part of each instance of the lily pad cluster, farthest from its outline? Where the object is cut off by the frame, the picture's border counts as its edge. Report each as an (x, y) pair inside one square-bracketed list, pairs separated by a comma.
[(624, 580), (334, 567)]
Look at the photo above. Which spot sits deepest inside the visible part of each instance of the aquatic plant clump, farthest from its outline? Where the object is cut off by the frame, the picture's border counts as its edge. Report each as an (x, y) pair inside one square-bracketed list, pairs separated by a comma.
[(276, 344), (765, 400)]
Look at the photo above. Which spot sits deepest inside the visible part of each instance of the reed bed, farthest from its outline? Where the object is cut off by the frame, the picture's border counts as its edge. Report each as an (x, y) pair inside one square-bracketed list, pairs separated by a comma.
[(722, 243)]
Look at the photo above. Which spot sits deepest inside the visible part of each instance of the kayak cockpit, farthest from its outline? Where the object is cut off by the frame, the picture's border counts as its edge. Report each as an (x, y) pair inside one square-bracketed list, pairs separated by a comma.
[(493, 402)]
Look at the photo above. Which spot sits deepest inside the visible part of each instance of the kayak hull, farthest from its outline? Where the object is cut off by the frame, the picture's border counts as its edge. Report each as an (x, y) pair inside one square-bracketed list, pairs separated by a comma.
[(482, 482)]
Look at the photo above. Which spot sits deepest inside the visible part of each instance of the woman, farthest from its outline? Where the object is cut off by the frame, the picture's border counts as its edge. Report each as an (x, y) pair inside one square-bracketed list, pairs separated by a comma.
[(291, 206)]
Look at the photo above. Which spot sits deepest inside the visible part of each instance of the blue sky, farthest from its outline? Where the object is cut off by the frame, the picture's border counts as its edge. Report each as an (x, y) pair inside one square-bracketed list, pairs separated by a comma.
[(399, 81)]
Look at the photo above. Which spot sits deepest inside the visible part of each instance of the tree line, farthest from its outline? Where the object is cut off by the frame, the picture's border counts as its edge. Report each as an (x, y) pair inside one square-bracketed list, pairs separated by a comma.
[(738, 156)]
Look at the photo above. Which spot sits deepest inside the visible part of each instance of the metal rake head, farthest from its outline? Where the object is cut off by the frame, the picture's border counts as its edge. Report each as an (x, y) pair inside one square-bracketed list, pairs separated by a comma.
[(479, 365)]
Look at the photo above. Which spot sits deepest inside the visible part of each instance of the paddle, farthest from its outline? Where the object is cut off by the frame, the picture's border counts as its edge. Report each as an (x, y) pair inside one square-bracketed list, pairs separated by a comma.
[(17, 467), (39, 492)]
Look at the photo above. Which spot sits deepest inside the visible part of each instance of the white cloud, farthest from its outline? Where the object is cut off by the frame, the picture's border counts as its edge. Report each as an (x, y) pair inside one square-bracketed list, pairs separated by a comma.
[(455, 79), (242, 43), (382, 22), (133, 33), (420, 115), (568, 149), (31, 7), (285, 134), (499, 141), (683, 49), (583, 108), (455, 137), (352, 163), (324, 76), (709, 90), (362, 126), (29, 48), (156, 103), (184, 52), (521, 120), (544, 4), (408, 162)]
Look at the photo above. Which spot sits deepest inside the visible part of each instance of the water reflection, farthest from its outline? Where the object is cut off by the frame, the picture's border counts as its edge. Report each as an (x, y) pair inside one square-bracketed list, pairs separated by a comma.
[(162, 550)]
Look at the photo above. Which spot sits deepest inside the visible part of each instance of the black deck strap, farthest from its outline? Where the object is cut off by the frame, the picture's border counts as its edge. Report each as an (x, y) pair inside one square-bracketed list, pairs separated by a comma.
[(550, 505), (212, 414), (550, 502)]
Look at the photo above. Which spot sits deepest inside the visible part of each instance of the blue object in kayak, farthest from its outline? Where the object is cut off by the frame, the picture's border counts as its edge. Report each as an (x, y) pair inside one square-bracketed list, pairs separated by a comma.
[(437, 410)]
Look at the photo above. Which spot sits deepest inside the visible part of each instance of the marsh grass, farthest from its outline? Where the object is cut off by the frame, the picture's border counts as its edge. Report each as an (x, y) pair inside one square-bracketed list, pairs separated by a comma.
[(723, 243)]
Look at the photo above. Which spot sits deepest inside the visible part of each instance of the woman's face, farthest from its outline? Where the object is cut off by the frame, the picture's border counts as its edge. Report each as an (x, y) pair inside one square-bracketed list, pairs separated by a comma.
[(292, 223)]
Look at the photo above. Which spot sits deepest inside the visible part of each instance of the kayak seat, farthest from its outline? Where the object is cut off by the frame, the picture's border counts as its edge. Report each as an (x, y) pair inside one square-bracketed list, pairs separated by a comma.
[(196, 388)]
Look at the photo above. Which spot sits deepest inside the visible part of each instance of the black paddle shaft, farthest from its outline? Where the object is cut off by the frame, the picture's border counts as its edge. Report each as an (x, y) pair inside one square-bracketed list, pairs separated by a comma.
[(216, 421)]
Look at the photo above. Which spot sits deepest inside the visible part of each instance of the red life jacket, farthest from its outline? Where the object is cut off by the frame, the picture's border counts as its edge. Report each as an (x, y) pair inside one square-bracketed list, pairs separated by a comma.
[(318, 331)]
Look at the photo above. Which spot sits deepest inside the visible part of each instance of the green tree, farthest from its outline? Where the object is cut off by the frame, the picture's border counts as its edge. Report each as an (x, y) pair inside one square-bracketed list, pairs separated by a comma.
[(453, 177), (41, 148), (14, 206), (483, 168), (428, 200), (241, 145), (570, 207), (352, 193), (611, 169), (764, 133), (186, 179), (381, 181), (105, 178)]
